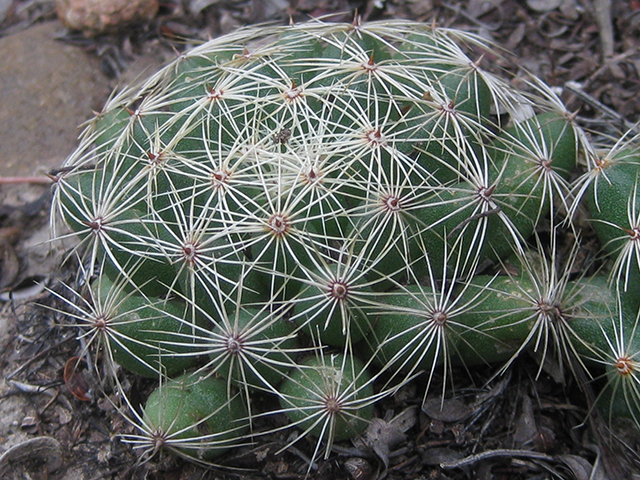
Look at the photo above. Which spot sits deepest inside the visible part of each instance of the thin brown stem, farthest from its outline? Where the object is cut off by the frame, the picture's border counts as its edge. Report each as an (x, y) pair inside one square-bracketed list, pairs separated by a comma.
[(27, 180)]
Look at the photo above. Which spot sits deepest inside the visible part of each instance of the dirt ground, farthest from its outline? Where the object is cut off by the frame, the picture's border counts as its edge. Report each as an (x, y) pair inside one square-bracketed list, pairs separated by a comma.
[(57, 426)]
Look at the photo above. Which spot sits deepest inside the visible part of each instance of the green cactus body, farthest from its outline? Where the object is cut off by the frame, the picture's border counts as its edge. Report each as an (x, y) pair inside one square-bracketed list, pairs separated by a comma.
[(347, 182), (620, 397), (329, 308), (453, 106), (605, 328), (469, 218), (329, 396), (413, 330), (153, 339), (227, 144), (251, 346), (494, 329), (534, 146), (109, 126), (147, 336), (388, 236), (533, 161), (596, 315), (195, 417), (214, 269), (613, 201)]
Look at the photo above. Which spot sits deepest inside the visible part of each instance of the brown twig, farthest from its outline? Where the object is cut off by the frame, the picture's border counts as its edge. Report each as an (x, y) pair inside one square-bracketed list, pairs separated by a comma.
[(576, 90), (602, 10), (23, 180), (508, 453)]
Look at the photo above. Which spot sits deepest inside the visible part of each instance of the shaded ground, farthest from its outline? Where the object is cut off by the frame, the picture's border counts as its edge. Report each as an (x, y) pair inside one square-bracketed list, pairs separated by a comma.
[(592, 59)]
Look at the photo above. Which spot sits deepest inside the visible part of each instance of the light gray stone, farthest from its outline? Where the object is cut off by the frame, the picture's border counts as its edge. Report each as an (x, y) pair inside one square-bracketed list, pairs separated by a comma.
[(48, 88)]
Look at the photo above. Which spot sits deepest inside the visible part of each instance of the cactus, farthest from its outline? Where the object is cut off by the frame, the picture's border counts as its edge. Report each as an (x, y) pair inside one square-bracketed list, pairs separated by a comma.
[(314, 210), (613, 202), (194, 416), (329, 396)]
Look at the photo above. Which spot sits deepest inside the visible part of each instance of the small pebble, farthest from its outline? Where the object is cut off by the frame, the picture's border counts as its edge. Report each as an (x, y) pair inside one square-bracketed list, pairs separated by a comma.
[(95, 17)]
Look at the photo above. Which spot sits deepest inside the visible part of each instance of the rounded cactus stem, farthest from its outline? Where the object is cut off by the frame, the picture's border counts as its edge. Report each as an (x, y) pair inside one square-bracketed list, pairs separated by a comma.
[(494, 329), (532, 148), (598, 316), (146, 335), (414, 330), (620, 398), (534, 160), (330, 305), (195, 417), (329, 396), (613, 202), (253, 347)]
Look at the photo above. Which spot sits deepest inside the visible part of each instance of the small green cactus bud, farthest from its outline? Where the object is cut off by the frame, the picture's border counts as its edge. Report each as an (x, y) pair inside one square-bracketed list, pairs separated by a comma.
[(329, 396), (194, 416), (146, 335), (330, 307), (613, 201)]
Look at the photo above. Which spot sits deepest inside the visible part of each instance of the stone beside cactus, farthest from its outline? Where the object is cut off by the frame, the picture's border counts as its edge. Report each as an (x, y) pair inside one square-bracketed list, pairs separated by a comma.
[(307, 210)]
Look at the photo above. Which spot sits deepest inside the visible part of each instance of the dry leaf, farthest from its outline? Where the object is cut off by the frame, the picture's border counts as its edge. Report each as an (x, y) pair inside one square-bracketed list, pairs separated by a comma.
[(405, 419), (195, 7), (448, 410), (358, 468), (582, 469), (437, 456), (526, 428), (37, 455), (382, 437), (478, 8), (542, 6), (74, 379)]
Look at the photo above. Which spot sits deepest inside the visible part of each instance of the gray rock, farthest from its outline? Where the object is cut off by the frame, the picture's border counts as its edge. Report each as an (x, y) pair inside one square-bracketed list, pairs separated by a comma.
[(48, 89)]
